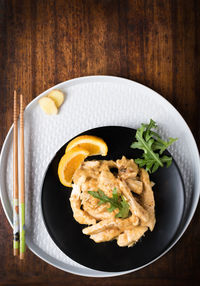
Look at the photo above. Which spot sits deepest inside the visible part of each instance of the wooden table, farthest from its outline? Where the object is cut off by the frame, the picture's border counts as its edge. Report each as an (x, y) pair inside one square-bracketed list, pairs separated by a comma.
[(156, 43)]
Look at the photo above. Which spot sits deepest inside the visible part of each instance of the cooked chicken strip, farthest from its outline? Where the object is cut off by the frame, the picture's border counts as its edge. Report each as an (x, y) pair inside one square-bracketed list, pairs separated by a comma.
[(129, 237), (100, 226), (135, 207), (79, 215), (135, 186), (88, 170), (106, 180), (106, 235), (110, 223), (147, 198), (127, 168)]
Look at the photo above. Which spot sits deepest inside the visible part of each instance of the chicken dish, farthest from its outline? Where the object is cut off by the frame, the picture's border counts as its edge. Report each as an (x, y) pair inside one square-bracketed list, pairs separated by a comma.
[(131, 183)]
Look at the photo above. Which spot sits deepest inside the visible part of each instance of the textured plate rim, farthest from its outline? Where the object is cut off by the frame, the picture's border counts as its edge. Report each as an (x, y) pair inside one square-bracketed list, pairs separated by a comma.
[(158, 97)]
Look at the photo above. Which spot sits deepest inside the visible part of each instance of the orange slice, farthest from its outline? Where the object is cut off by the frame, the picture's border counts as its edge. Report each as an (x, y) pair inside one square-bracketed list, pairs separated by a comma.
[(94, 145), (69, 163)]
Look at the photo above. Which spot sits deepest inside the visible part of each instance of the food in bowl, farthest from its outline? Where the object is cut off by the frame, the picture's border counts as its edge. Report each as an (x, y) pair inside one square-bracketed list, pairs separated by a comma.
[(121, 183)]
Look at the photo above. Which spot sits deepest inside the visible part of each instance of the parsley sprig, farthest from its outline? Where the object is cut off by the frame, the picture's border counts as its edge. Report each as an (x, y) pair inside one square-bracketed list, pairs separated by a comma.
[(153, 146), (116, 202)]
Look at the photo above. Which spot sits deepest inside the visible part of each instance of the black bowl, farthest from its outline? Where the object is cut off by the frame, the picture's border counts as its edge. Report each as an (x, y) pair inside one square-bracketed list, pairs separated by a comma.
[(108, 256)]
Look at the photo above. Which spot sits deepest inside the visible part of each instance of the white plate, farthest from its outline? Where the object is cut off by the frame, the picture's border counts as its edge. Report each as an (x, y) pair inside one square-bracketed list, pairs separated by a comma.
[(91, 102)]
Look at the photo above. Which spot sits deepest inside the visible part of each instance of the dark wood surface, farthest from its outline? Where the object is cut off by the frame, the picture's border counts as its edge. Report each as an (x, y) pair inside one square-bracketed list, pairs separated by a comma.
[(155, 43)]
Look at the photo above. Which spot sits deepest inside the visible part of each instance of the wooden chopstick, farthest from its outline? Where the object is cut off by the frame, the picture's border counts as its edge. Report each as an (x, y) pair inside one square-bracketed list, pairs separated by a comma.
[(15, 181), (22, 186)]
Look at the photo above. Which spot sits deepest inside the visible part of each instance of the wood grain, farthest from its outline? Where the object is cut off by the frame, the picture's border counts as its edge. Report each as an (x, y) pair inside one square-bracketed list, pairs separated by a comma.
[(156, 43)]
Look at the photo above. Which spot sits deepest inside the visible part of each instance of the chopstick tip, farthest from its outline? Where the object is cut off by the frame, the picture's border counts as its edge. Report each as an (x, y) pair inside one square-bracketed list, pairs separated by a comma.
[(15, 251), (21, 256)]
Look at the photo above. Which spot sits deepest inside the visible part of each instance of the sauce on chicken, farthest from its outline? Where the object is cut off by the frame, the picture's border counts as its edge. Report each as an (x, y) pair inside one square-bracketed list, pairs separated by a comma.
[(130, 181)]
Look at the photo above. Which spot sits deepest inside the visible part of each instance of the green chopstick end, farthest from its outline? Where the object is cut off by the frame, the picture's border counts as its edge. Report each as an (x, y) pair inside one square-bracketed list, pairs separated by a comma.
[(15, 244)]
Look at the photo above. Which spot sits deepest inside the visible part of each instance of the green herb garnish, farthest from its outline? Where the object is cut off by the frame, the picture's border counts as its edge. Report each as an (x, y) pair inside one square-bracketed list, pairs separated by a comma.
[(150, 142), (116, 202)]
